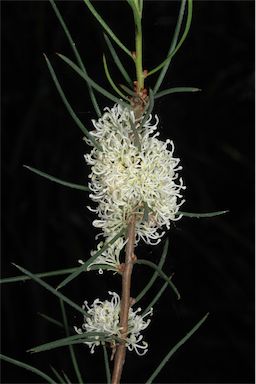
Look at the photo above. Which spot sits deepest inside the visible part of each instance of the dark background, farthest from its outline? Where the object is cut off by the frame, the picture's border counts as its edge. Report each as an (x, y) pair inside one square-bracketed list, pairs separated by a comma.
[(47, 227)]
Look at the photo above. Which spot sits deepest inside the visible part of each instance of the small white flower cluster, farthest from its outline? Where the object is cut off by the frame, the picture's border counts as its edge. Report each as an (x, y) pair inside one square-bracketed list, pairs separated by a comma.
[(103, 317), (134, 172)]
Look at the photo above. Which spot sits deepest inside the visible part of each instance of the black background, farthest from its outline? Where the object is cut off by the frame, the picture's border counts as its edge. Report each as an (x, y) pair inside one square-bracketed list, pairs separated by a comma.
[(47, 227)]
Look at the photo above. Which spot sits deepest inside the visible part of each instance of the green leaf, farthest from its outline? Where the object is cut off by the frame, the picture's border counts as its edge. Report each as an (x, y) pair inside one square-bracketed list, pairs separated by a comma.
[(198, 215), (51, 320), (68, 106), (70, 340), (91, 82), (66, 377), (127, 90), (52, 290), (44, 274), (77, 55), (108, 375), (71, 349), (156, 298), (117, 61), (57, 375), (90, 260), (175, 90), (155, 274), (170, 56), (160, 273), (175, 348), (56, 180), (172, 46), (28, 367), (106, 28), (111, 82)]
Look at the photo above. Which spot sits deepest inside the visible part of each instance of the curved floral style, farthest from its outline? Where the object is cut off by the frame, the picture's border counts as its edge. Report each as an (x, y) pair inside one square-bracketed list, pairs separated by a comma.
[(103, 316), (134, 172)]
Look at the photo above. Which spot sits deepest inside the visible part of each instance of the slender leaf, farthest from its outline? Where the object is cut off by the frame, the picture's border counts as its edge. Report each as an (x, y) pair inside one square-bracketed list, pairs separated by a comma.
[(44, 274), (160, 273), (106, 28), (51, 320), (77, 55), (117, 61), (155, 274), (61, 381), (74, 339), (71, 349), (110, 80), (172, 46), (127, 90), (90, 260), (56, 180), (157, 297), (66, 377), (90, 81), (108, 375), (28, 367), (198, 215), (176, 90), (68, 106), (170, 56), (175, 348), (52, 290)]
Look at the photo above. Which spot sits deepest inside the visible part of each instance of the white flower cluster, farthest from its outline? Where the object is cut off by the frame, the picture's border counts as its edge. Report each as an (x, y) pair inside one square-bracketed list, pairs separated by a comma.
[(134, 172), (103, 317)]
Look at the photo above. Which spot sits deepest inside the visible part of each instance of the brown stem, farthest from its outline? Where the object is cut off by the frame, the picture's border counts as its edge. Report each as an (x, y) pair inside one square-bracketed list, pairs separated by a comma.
[(125, 301)]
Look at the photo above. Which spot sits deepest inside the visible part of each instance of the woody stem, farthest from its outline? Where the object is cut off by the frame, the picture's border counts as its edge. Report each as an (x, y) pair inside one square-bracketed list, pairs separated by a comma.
[(125, 301)]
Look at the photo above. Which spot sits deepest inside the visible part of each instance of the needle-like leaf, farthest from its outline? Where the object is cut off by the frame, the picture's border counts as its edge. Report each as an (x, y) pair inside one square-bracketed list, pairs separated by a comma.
[(172, 46), (160, 273), (68, 106), (52, 290), (70, 340), (127, 90), (61, 381), (117, 61), (108, 375), (51, 320), (175, 348), (170, 56), (110, 80), (56, 180), (90, 81), (156, 298), (71, 349), (83, 268), (77, 55), (106, 28), (28, 367), (155, 274), (176, 90), (198, 215), (14, 279)]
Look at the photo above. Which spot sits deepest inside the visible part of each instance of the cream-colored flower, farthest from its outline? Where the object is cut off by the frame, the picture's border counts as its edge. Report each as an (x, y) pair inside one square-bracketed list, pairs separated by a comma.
[(103, 317), (133, 170)]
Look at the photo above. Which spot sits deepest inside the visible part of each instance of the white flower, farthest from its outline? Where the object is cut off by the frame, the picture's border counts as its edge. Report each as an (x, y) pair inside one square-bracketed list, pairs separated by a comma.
[(133, 170), (103, 317)]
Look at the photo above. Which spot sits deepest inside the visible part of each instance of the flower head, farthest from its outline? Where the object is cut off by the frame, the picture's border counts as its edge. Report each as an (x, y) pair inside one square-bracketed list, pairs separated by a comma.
[(134, 172), (103, 317)]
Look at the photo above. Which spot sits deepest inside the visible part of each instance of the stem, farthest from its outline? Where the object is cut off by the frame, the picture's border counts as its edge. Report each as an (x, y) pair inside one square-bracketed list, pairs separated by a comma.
[(138, 60), (125, 301)]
